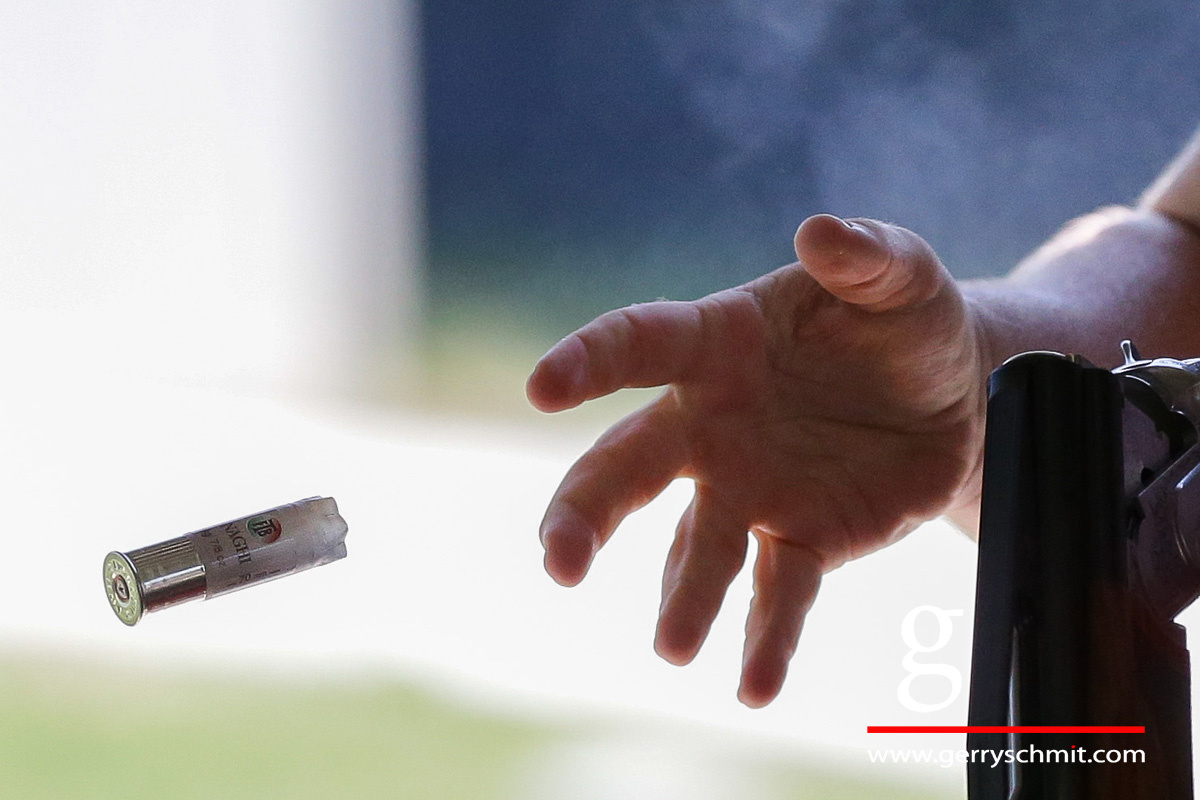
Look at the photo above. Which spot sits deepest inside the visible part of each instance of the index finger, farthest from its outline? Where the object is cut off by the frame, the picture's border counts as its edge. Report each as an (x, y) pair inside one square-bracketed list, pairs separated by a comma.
[(643, 345)]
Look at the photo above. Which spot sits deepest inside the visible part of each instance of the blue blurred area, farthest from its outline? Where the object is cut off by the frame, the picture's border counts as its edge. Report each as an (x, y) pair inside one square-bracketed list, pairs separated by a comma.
[(581, 154)]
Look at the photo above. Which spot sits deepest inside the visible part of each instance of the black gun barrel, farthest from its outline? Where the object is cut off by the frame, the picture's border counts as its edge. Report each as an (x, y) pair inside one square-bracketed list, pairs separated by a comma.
[(1063, 637)]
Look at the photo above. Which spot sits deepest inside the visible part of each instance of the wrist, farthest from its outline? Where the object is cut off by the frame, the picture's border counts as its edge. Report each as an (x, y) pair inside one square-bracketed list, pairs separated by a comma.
[(1114, 274)]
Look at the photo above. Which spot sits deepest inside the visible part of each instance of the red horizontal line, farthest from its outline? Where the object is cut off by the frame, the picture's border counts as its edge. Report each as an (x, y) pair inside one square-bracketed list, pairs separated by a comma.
[(1006, 729)]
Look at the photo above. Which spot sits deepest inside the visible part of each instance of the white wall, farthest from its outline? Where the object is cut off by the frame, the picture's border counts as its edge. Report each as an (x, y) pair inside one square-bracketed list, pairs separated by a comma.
[(223, 192)]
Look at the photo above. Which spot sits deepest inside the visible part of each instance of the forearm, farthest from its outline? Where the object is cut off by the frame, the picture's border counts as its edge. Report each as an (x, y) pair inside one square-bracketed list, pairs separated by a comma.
[(1176, 193), (1119, 273)]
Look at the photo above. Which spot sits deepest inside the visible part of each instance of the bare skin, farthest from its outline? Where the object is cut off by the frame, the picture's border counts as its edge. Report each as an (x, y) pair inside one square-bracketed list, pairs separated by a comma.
[(831, 406)]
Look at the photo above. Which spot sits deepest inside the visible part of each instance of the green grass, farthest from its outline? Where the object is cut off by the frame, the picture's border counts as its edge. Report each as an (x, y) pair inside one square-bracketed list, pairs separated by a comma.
[(70, 729), (74, 731)]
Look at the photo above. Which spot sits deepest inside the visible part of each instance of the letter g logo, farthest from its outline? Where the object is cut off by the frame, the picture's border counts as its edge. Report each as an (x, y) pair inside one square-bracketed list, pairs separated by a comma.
[(915, 669)]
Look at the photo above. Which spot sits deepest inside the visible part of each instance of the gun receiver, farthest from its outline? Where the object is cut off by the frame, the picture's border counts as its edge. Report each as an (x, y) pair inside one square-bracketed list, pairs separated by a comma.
[(1089, 546)]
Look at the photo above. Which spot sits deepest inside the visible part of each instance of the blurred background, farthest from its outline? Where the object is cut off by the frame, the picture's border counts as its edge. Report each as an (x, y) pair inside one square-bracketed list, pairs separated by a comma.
[(256, 251)]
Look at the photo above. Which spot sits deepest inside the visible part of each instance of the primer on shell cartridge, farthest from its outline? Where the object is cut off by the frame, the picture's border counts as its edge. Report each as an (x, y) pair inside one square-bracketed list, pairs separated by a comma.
[(225, 557)]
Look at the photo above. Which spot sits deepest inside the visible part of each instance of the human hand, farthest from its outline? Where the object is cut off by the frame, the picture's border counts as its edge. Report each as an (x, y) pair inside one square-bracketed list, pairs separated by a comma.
[(827, 408)]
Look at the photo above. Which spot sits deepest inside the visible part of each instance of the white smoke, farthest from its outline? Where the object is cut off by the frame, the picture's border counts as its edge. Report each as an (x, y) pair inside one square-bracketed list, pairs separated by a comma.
[(983, 127)]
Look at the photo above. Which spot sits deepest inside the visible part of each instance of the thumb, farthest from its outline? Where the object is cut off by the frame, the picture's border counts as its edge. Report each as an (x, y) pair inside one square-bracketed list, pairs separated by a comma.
[(873, 265)]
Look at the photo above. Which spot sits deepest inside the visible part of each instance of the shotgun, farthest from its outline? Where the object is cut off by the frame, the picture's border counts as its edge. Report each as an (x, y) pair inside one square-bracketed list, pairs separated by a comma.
[(1089, 546)]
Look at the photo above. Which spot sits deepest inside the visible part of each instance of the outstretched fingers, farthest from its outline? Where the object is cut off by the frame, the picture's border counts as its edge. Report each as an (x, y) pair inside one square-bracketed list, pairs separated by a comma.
[(708, 552), (786, 579), (643, 345), (873, 265), (626, 468)]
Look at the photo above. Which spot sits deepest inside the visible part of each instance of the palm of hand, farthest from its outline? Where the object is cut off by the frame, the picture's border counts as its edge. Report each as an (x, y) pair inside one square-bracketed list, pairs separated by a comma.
[(826, 427)]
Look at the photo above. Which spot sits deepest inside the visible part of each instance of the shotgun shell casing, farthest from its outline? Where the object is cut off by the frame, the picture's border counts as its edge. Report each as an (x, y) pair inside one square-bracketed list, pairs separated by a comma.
[(226, 557)]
